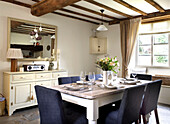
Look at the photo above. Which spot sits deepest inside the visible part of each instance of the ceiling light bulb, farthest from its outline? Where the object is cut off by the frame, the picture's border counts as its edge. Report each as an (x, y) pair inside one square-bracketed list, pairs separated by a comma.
[(40, 28), (35, 30), (36, 35)]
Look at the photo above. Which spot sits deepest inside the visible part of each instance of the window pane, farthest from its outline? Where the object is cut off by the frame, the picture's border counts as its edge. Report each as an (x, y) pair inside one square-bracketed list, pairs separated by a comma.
[(160, 50), (144, 50), (160, 38), (144, 39), (144, 60), (160, 61)]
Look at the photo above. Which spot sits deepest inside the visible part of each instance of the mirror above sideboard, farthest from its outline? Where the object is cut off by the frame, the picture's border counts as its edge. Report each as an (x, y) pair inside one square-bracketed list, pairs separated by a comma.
[(36, 40)]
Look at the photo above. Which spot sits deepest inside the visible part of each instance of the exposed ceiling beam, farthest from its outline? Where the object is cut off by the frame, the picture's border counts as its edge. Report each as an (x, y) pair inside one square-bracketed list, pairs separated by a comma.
[(150, 17), (156, 5), (47, 6), (130, 6), (36, 0), (29, 6), (15, 24), (107, 8), (92, 11), (84, 15), (17, 3), (58, 13)]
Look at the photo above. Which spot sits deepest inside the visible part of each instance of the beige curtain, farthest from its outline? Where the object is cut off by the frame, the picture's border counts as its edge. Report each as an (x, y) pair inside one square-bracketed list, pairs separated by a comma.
[(129, 31)]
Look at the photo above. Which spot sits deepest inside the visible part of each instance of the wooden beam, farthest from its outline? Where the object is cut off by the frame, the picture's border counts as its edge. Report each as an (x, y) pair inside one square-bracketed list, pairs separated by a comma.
[(84, 15), (29, 6), (36, 0), (17, 3), (47, 6), (58, 13), (92, 11), (15, 24), (130, 7), (156, 5), (107, 8), (150, 17)]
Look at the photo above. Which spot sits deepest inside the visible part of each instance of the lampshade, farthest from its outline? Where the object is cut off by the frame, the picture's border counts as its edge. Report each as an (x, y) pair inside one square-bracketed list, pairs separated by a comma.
[(14, 53), (102, 27)]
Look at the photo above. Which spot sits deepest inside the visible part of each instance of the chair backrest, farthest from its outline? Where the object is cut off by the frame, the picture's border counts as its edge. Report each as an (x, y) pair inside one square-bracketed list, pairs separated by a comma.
[(151, 97), (74, 79), (142, 76), (64, 80), (97, 76), (130, 105), (50, 105), (68, 80)]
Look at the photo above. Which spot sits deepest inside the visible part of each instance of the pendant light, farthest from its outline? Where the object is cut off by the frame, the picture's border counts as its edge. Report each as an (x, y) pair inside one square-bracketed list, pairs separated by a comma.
[(40, 28), (102, 27)]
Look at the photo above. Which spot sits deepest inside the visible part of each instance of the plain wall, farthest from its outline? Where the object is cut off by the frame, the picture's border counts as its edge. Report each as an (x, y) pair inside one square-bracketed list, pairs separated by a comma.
[(72, 40), (113, 43)]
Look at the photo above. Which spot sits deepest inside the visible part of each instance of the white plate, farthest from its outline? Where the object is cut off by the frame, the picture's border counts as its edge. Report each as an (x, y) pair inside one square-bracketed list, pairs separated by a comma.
[(75, 88), (111, 87), (100, 79)]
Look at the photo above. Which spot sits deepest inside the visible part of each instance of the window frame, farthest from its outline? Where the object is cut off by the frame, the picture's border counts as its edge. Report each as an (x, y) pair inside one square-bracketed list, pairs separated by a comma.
[(152, 45)]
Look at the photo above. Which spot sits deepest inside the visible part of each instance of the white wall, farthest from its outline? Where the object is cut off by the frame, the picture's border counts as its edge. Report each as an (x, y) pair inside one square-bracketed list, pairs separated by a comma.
[(73, 39), (113, 42)]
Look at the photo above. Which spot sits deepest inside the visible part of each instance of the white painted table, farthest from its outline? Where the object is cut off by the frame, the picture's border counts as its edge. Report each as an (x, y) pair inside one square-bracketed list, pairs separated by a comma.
[(92, 100)]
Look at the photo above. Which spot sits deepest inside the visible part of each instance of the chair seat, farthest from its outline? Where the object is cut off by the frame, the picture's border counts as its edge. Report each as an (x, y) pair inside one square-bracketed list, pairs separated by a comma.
[(112, 118)]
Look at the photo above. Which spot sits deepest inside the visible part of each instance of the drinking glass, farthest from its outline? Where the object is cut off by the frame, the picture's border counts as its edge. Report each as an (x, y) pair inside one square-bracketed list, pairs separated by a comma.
[(134, 75), (82, 76), (91, 77)]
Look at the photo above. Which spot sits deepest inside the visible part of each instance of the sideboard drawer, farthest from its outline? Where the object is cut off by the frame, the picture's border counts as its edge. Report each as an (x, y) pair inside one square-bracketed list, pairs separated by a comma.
[(60, 74), (23, 77), (43, 76), (43, 83)]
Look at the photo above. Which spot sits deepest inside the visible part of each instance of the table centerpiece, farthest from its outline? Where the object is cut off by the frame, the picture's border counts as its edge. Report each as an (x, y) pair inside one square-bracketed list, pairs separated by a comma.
[(110, 67)]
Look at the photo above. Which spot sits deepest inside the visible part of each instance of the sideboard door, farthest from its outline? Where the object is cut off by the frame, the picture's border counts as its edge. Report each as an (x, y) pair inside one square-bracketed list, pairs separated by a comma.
[(23, 94)]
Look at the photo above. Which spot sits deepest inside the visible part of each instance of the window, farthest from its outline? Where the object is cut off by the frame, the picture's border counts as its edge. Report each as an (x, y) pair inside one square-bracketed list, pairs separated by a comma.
[(153, 46)]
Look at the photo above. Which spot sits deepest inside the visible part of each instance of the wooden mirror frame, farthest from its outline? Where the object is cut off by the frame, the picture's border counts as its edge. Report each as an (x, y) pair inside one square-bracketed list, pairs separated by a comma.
[(34, 23)]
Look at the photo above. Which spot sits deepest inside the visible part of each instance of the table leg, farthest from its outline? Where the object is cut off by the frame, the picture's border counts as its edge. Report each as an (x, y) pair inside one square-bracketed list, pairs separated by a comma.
[(92, 111)]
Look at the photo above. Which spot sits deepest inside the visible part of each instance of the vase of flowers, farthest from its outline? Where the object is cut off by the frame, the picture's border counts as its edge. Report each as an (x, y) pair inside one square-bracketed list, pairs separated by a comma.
[(110, 67)]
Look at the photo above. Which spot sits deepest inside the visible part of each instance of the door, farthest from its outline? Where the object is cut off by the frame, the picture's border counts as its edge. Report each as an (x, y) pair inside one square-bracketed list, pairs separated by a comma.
[(22, 94)]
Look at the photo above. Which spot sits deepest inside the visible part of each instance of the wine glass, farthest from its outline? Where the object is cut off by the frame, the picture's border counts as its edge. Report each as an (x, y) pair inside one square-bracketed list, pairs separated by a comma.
[(91, 77), (134, 75), (82, 76)]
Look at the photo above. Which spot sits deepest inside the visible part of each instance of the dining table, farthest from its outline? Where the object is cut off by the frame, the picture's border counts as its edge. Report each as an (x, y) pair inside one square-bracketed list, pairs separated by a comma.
[(94, 96)]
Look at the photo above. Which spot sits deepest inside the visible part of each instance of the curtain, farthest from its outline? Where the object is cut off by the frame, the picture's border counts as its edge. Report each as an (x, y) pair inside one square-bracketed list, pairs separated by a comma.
[(129, 32)]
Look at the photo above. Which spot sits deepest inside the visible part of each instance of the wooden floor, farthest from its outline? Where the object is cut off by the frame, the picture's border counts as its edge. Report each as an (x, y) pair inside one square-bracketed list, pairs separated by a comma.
[(31, 116)]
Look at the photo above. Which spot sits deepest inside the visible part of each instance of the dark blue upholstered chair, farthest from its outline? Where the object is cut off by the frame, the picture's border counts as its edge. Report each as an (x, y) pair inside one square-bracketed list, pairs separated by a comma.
[(151, 99), (142, 76), (68, 80), (64, 80), (129, 109), (74, 79), (97, 76), (52, 111)]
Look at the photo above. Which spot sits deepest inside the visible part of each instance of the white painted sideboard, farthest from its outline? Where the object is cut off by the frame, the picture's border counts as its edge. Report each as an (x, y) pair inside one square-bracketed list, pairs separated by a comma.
[(19, 87)]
